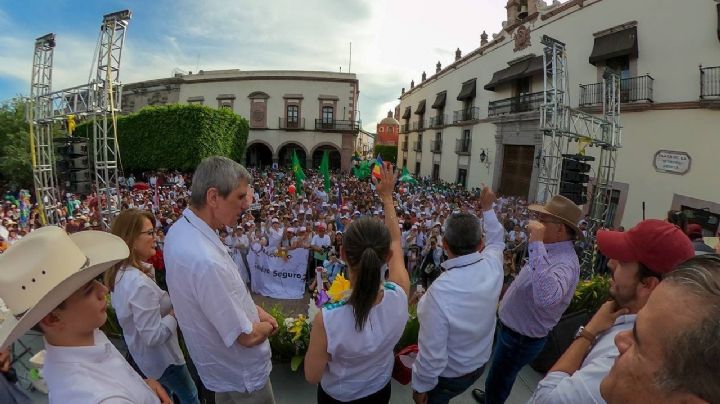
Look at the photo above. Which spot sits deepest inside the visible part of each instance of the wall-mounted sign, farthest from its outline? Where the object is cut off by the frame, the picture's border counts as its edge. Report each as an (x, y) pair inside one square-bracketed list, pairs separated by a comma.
[(673, 162)]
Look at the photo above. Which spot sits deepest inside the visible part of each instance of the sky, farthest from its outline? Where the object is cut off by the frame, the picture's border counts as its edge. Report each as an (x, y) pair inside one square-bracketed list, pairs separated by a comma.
[(393, 41)]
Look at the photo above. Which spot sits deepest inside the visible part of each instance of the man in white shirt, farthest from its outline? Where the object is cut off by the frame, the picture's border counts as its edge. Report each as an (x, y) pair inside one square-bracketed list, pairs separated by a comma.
[(225, 332), (457, 313)]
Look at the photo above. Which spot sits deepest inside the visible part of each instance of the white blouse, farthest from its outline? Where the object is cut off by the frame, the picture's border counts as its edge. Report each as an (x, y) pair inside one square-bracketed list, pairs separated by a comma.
[(149, 330), (361, 362)]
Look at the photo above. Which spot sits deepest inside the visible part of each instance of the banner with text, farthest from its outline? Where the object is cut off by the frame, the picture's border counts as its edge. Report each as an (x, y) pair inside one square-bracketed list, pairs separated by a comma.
[(276, 275)]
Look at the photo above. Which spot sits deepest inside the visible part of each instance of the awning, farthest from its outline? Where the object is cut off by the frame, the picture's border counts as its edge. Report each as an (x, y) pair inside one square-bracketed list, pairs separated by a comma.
[(420, 108), (620, 43), (406, 115), (440, 100), (468, 91), (521, 69)]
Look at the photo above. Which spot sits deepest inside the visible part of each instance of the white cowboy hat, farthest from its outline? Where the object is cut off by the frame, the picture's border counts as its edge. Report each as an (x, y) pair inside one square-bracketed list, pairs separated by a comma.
[(44, 268)]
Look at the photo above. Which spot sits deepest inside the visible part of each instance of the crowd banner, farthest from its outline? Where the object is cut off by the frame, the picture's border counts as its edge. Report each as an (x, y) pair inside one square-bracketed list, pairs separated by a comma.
[(279, 276)]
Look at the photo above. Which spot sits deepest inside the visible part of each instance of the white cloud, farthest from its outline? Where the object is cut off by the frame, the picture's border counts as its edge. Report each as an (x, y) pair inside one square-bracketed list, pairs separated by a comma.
[(393, 41)]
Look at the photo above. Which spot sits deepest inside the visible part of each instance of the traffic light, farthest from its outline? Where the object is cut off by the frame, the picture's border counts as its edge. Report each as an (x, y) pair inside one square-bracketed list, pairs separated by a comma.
[(73, 165), (574, 177)]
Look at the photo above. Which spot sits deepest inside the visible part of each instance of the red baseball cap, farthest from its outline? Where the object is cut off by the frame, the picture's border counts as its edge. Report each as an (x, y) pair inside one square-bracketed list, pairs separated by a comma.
[(657, 244)]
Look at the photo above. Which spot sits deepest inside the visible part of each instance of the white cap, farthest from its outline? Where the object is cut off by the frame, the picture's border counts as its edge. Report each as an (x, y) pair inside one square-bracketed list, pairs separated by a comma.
[(291, 230), (303, 228), (275, 220)]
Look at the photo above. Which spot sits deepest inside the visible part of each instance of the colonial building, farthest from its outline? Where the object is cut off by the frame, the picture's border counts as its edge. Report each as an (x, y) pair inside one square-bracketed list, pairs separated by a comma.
[(388, 131), (305, 112), (477, 120)]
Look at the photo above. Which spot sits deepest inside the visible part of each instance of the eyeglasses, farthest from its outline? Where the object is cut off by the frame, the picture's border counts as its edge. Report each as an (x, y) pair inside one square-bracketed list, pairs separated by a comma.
[(150, 232)]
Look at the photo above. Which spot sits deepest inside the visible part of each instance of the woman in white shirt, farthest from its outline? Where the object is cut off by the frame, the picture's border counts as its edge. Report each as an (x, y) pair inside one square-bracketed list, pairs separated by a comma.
[(144, 310), (351, 345)]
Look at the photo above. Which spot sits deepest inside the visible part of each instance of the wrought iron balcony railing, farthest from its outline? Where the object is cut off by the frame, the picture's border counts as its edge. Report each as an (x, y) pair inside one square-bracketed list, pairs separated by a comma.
[(467, 114), (436, 146), (710, 83), (291, 124), (632, 90), (462, 146), (438, 121), (513, 105), (345, 126)]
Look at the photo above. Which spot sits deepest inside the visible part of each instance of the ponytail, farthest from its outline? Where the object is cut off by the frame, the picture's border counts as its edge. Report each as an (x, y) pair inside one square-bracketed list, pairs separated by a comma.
[(365, 291), (366, 243)]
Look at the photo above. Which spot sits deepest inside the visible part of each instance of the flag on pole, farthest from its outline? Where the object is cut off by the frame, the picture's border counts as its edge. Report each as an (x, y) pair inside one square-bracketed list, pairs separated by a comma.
[(339, 195), (325, 170), (297, 170), (362, 170), (406, 177), (376, 168)]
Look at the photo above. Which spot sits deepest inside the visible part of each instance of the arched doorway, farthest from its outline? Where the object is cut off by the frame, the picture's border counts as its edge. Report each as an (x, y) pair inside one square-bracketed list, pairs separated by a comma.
[(258, 155), (334, 157), (286, 152)]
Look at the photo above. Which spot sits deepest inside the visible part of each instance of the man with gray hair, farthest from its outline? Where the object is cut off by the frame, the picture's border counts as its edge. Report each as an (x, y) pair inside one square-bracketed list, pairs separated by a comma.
[(672, 354), (457, 313), (225, 332)]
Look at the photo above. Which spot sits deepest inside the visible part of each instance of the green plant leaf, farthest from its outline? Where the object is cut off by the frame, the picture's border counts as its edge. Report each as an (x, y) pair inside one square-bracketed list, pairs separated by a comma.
[(295, 362)]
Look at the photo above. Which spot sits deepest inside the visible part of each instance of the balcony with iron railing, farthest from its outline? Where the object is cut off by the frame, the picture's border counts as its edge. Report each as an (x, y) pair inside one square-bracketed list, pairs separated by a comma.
[(291, 124), (417, 146), (436, 146), (404, 146), (438, 121), (418, 125), (710, 83), (467, 114), (462, 146), (632, 90), (405, 128), (521, 103), (344, 126)]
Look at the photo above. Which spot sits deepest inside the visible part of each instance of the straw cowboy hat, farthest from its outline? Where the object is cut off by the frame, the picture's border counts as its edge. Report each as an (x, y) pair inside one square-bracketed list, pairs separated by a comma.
[(562, 209), (44, 268)]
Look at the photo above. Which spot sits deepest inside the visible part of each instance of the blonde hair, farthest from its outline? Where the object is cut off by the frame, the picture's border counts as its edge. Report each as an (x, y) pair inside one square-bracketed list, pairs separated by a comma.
[(128, 225)]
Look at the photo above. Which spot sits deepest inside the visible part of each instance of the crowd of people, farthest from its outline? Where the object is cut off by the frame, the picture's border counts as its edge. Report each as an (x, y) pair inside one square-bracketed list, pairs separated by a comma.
[(491, 277)]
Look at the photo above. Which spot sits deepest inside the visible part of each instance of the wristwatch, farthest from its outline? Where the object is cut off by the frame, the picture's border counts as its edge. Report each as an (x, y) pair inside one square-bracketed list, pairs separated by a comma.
[(583, 333)]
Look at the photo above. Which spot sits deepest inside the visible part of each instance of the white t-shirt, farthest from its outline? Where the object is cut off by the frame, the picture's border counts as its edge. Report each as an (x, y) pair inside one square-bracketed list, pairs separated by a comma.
[(361, 363)]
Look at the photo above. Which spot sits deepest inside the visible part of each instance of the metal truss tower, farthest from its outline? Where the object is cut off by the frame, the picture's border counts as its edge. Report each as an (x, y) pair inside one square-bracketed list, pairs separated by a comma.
[(38, 112), (106, 103), (562, 124), (99, 100)]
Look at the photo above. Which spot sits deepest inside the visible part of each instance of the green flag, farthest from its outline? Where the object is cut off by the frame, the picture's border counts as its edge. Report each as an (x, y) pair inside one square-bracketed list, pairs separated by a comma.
[(406, 177), (362, 170), (325, 170), (297, 170)]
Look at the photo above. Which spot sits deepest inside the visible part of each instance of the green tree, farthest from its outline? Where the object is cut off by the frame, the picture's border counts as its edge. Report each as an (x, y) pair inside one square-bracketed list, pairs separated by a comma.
[(386, 152), (15, 165), (176, 136)]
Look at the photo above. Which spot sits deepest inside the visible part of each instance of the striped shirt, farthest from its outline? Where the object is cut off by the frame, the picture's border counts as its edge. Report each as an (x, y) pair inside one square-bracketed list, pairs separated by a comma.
[(542, 291)]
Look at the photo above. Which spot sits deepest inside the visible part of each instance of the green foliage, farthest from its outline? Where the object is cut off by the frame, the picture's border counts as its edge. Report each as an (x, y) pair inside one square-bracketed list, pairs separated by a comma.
[(15, 163), (590, 294), (177, 136), (412, 329), (388, 153)]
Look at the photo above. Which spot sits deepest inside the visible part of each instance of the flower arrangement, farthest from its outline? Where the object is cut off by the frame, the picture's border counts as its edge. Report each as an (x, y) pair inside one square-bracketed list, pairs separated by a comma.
[(291, 341)]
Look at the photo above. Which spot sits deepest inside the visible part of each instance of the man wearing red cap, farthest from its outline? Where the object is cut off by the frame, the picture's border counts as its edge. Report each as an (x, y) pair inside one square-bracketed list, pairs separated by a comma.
[(638, 259), (694, 231)]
